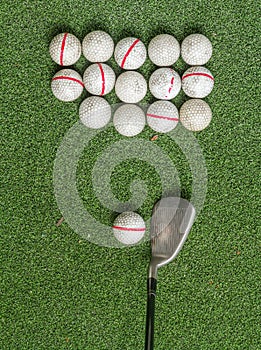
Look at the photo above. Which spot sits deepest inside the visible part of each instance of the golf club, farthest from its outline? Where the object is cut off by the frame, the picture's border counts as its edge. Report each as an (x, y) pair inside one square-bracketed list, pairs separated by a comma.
[(171, 222)]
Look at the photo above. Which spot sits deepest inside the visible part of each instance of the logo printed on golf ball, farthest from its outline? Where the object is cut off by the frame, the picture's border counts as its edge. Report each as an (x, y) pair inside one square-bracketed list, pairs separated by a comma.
[(67, 85), (65, 49), (99, 79), (197, 82), (130, 53), (129, 228), (165, 84)]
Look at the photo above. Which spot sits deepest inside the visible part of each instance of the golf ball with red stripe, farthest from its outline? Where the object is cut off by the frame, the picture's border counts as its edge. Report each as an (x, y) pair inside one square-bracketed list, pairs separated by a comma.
[(65, 49), (130, 53), (67, 85), (129, 228), (162, 116), (197, 82), (99, 79), (165, 83)]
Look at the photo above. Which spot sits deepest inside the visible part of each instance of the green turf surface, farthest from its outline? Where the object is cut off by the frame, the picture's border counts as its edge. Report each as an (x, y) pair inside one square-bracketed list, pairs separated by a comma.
[(59, 291)]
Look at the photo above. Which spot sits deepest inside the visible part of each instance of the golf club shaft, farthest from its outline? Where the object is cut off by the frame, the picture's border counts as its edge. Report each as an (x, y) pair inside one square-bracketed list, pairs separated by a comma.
[(152, 286)]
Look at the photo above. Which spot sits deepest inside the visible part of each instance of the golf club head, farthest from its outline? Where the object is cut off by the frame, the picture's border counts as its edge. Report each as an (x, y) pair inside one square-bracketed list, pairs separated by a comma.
[(171, 222)]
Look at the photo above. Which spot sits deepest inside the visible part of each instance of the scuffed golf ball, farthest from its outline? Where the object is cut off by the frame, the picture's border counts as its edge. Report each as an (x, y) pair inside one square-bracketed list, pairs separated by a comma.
[(195, 115), (97, 46), (164, 50), (129, 228), (196, 49), (165, 83), (65, 49), (67, 85), (162, 116), (99, 79), (129, 120), (131, 87), (130, 53), (197, 82), (95, 112)]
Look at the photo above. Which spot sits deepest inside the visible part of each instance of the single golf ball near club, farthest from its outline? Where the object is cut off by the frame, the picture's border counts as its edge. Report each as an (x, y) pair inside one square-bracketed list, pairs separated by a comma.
[(131, 87), (196, 50), (95, 112), (197, 82), (195, 115), (129, 228), (162, 116), (65, 49), (67, 85), (165, 84), (99, 79), (130, 53), (97, 46), (164, 50), (129, 120)]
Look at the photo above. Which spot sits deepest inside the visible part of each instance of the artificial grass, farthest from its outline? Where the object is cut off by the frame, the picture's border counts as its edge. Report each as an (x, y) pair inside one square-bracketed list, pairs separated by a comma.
[(62, 292)]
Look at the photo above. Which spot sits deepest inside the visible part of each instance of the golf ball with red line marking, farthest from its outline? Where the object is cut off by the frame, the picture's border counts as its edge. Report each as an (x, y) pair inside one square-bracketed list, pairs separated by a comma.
[(65, 49), (197, 82), (162, 116), (97, 46), (99, 79), (196, 50), (165, 84), (67, 85), (130, 53), (129, 228)]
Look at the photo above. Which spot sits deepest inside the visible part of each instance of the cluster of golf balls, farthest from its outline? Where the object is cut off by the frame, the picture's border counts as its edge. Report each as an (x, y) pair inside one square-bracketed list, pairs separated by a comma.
[(130, 86)]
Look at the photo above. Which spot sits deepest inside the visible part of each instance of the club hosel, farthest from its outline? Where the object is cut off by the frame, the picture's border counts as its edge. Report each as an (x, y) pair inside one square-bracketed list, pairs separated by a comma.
[(153, 270), (152, 287)]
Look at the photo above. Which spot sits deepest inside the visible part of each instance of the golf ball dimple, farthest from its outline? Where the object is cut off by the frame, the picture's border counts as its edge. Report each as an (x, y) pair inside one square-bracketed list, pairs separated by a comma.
[(162, 116), (129, 120), (196, 49), (99, 79), (95, 112), (130, 53), (165, 84), (197, 82), (129, 228), (164, 50), (67, 85), (131, 87), (195, 115), (97, 46), (65, 49)]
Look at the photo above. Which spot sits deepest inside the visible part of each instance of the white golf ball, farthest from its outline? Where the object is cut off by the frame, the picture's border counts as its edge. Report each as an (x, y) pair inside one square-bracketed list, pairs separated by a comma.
[(197, 82), (130, 53), (165, 83), (162, 116), (67, 85), (95, 112), (97, 46), (129, 120), (131, 87), (196, 49), (99, 79), (164, 50), (195, 115), (65, 49), (129, 228)]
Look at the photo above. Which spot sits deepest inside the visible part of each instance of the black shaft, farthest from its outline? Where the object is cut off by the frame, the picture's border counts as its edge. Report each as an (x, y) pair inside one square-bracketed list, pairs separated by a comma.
[(152, 286)]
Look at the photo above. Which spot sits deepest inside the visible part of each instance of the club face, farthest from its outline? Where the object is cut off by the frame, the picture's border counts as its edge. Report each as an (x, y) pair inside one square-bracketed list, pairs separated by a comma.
[(171, 222)]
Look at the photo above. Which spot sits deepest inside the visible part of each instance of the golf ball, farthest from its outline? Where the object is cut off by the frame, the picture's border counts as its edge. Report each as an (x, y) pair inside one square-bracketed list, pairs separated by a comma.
[(99, 79), (65, 49), (196, 49), (197, 82), (165, 83), (97, 46), (130, 53), (131, 87), (164, 50), (95, 112), (129, 120), (195, 115), (67, 85), (162, 116), (129, 228)]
